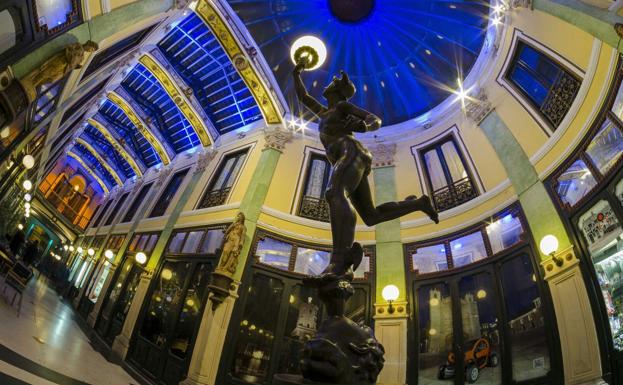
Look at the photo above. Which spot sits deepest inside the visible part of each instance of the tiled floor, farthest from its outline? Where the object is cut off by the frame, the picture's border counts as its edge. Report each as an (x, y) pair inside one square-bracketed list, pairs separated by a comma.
[(46, 336)]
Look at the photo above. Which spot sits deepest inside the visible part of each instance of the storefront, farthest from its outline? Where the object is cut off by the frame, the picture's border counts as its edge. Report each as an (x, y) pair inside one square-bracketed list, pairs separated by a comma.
[(483, 285), (276, 313)]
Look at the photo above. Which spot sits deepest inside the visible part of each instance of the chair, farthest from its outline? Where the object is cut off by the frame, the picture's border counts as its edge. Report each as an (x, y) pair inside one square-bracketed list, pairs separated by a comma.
[(17, 277)]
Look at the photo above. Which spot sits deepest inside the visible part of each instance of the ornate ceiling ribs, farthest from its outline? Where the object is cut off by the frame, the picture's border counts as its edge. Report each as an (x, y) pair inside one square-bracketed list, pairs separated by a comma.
[(179, 98), (153, 136), (126, 153), (89, 170), (112, 170), (239, 58)]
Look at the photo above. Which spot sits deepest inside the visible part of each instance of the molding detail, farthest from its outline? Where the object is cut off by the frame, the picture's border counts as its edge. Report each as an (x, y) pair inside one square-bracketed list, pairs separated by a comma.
[(115, 144), (163, 175), (239, 58), (277, 138), (381, 310), (383, 154), (89, 170), (203, 161), (178, 97), (521, 4), (100, 159), (568, 258), (478, 107), (141, 126)]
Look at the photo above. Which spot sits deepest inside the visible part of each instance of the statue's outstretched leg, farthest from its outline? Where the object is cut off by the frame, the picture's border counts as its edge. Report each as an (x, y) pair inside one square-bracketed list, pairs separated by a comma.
[(362, 200)]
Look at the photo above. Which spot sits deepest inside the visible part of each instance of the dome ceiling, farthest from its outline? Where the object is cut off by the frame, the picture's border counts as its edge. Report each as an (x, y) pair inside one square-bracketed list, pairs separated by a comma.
[(404, 56)]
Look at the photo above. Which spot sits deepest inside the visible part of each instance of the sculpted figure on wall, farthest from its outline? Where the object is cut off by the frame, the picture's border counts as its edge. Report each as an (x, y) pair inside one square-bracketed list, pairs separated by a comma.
[(232, 245)]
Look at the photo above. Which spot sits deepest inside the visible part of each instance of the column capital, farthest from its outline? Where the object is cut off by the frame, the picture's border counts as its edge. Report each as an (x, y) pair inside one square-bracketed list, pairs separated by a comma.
[(204, 160), (276, 138), (383, 154), (478, 107), (164, 174), (521, 4)]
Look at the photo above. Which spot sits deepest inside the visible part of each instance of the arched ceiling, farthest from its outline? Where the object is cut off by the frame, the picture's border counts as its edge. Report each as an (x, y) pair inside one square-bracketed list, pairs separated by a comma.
[(404, 56)]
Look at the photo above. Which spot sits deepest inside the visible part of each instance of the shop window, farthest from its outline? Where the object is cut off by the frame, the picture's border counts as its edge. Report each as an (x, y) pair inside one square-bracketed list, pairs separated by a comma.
[(167, 195), (446, 174), (143, 242), (116, 209), (274, 253), (606, 147), (505, 232), (310, 261), (525, 315), (192, 241), (546, 85), (468, 249), (313, 203), (429, 259), (47, 98), (212, 242), (200, 241), (102, 213), (175, 245), (8, 31), (575, 182), (599, 226), (136, 203), (98, 282), (220, 186)]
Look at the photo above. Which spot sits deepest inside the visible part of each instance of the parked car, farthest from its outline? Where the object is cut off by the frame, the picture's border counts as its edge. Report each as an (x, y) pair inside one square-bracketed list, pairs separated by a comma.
[(478, 355)]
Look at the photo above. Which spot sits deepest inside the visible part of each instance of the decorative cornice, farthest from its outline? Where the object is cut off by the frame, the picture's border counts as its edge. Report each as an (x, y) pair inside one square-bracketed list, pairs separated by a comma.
[(478, 107), (178, 97), (521, 4), (276, 138), (100, 159), (142, 127), (383, 154), (89, 170), (106, 133), (240, 59)]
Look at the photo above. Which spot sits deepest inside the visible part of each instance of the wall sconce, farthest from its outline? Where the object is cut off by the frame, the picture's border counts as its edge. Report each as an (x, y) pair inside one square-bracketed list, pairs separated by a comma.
[(390, 293), (79, 250), (28, 161), (140, 258), (108, 254), (71, 248), (549, 246), (91, 252), (65, 247), (20, 226), (27, 185), (27, 197)]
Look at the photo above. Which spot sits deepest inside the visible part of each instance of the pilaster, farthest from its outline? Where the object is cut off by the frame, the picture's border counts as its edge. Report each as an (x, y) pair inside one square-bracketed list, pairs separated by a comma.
[(390, 330)]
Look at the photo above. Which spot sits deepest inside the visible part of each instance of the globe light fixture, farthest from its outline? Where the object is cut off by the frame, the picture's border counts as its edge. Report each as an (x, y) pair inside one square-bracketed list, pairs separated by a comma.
[(79, 249), (91, 252), (65, 247), (27, 206), (71, 248), (58, 257), (27, 197), (108, 254), (27, 185), (140, 258), (166, 274), (310, 50), (28, 161), (27, 214), (390, 293), (20, 226), (549, 246)]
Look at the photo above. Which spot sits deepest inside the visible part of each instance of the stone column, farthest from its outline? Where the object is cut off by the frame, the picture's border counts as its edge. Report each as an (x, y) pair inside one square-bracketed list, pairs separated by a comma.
[(578, 338), (210, 341), (121, 343), (213, 330)]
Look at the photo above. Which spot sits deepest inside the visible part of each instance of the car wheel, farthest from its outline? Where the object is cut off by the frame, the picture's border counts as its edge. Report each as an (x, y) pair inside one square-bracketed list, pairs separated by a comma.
[(494, 360), (471, 373)]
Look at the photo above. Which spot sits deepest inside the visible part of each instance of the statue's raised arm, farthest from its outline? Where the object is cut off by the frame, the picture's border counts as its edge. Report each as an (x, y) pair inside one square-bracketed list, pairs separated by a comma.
[(301, 92)]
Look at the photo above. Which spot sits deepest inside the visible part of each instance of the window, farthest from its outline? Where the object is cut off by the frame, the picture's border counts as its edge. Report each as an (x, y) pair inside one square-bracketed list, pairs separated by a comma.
[(606, 148), (83, 101), (136, 203), (575, 182), (447, 177), (167, 195), (546, 85), (116, 209), (221, 184), (47, 98), (313, 204), (102, 213), (8, 31), (196, 241)]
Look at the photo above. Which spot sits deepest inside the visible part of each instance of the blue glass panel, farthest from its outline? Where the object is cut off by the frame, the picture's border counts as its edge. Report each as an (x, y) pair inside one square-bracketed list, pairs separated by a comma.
[(198, 58), (541, 64), (93, 136), (535, 90), (154, 100), (94, 164)]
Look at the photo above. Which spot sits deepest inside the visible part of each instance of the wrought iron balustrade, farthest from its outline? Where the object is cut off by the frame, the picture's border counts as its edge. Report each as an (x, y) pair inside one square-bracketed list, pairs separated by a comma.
[(455, 194), (314, 208), (214, 198), (559, 98)]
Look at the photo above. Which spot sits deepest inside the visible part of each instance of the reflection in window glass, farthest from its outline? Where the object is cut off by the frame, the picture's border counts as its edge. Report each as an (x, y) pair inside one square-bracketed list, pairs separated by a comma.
[(134, 242), (142, 243), (176, 243), (599, 225), (99, 280), (212, 241), (525, 319), (363, 268), (252, 353), (274, 253), (7, 31), (435, 332), (310, 261), (152, 242), (468, 249), (619, 191), (116, 289), (606, 147), (575, 182), (192, 242), (430, 259), (617, 107), (53, 13), (504, 232)]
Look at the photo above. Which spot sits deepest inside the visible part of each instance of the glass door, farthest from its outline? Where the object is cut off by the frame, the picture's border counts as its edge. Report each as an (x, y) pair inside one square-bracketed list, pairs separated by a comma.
[(170, 321)]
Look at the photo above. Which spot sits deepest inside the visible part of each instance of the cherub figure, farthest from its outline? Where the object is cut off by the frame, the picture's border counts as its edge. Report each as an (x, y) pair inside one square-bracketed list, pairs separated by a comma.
[(351, 164)]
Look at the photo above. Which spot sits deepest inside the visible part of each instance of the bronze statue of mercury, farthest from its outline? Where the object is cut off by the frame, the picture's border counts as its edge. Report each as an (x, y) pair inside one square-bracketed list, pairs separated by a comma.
[(351, 162)]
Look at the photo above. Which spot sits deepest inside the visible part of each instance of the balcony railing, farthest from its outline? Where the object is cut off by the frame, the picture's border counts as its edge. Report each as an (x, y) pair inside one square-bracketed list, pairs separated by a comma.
[(455, 194), (314, 208), (62, 206), (560, 98), (214, 198)]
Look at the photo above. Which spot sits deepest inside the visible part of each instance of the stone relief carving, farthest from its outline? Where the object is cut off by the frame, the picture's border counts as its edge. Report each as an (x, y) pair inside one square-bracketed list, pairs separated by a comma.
[(277, 138), (478, 107), (383, 154)]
